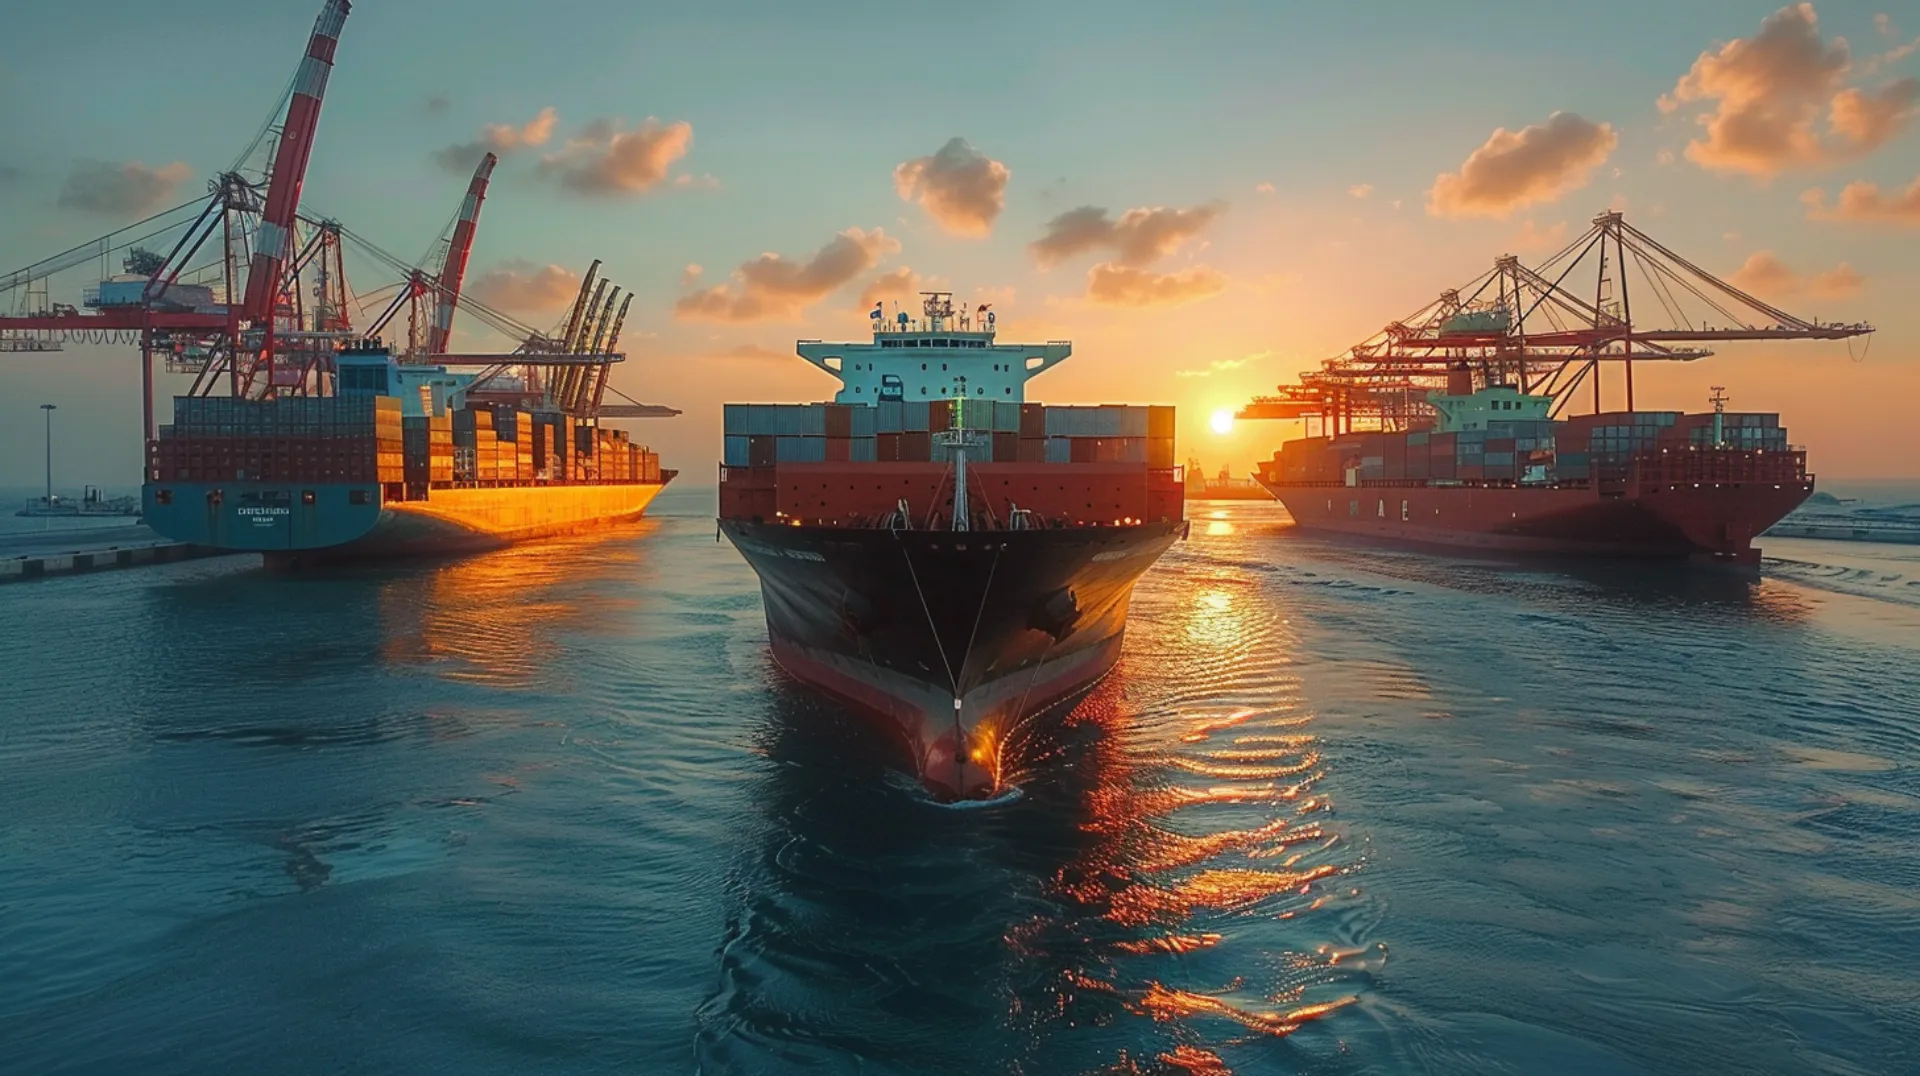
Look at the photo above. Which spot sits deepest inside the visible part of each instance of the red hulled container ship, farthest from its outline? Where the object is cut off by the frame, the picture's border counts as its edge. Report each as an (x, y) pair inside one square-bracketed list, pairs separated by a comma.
[(1492, 471), (1454, 426), (944, 557)]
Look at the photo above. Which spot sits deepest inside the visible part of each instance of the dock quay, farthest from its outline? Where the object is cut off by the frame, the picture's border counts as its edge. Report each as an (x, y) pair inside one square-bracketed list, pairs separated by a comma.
[(40, 554)]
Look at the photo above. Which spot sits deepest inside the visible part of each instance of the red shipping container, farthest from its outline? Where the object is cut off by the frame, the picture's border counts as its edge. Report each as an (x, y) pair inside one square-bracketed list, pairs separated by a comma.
[(887, 447), (839, 424), (1033, 422), (839, 449)]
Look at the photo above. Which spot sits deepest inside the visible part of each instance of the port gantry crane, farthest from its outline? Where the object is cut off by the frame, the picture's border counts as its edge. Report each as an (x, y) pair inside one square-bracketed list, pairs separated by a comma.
[(1530, 328), (257, 223), (272, 328)]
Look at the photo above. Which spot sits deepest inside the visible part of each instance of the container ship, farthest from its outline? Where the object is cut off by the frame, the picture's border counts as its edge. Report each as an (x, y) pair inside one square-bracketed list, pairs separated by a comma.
[(403, 460), (1457, 426), (1492, 471), (944, 557), (302, 436), (1222, 486)]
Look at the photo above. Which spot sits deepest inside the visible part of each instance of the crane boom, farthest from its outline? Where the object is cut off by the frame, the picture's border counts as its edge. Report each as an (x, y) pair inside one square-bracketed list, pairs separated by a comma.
[(461, 247), (290, 162)]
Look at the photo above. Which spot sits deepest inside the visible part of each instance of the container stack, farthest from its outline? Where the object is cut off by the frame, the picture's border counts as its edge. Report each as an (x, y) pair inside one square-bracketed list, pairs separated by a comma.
[(1111, 433), (428, 443), (765, 435), (297, 439)]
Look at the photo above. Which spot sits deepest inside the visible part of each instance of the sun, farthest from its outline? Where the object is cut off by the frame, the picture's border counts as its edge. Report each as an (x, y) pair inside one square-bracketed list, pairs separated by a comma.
[(1222, 422)]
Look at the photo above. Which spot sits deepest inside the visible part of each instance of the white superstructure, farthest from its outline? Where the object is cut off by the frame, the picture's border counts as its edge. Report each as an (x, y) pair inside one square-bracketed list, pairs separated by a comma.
[(933, 358)]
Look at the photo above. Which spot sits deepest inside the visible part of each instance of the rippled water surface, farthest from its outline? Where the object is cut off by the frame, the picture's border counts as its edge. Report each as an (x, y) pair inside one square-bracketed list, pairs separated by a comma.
[(1339, 810)]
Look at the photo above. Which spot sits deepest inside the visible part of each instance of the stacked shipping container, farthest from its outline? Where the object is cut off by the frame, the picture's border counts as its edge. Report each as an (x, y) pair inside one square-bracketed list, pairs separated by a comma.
[(365, 439), (304, 439), (1580, 449), (762, 435)]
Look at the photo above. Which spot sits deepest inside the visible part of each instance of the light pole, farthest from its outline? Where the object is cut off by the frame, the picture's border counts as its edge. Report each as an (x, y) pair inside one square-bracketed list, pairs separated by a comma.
[(49, 409)]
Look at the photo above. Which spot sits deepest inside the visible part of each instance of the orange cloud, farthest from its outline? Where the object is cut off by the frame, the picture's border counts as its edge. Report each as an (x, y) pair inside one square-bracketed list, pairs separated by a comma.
[(1360, 190), (901, 283), (501, 139), (1862, 201), (1121, 285), (1869, 120), (121, 189), (962, 189), (607, 159), (1518, 168), (1769, 91), (1224, 365), (1766, 275), (774, 286), (1140, 237), (523, 285)]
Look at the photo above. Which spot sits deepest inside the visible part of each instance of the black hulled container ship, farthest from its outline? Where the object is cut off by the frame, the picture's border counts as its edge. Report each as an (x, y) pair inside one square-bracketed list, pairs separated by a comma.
[(946, 558)]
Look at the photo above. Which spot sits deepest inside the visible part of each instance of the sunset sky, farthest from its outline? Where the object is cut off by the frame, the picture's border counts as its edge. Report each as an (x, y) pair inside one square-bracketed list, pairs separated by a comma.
[(1206, 199)]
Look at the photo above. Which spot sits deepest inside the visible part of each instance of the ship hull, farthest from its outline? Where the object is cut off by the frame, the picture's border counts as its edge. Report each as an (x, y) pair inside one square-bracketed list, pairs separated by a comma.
[(1666, 523), (958, 644), (301, 523)]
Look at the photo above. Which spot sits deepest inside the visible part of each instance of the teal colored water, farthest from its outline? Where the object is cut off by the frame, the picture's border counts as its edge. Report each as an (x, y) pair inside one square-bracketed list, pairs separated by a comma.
[(1340, 810)]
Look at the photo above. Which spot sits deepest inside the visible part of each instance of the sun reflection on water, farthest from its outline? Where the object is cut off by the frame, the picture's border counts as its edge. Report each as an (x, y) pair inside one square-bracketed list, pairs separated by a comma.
[(1205, 811)]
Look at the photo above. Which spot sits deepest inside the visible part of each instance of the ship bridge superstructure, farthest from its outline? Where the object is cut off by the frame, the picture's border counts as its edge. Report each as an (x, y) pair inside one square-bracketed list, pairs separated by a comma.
[(938, 356)]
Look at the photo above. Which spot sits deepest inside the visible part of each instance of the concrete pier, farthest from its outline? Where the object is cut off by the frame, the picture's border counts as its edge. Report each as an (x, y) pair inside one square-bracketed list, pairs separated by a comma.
[(38, 554)]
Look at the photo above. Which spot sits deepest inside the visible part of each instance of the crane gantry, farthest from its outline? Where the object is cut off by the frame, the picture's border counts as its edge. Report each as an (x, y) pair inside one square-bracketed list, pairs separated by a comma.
[(1543, 329)]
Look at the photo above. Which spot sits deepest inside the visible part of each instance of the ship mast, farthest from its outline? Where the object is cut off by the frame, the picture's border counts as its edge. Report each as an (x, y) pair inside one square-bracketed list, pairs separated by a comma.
[(958, 438)]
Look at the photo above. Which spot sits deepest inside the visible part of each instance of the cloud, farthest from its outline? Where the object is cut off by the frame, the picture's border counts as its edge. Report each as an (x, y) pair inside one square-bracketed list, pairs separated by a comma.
[(1263, 188), (1139, 238), (1121, 285), (523, 285), (1866, 202), (1767, 94), (901, 283), (435, 104), (1518, 168), (104, 187), (1665, 157), (775, 286), (1360, 190), (1222, 365), (607, 159), (502, 139), (1534, 239), (690, 275), (1869, 120), (962, 189), (703, 182), (1766, 275)]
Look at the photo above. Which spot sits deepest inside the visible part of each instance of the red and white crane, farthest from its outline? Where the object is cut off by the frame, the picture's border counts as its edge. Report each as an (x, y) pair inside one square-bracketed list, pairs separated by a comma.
[(454, 271)]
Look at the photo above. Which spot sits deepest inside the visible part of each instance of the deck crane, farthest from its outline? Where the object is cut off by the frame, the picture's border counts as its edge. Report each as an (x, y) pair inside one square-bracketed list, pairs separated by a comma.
[(1530, 328)]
